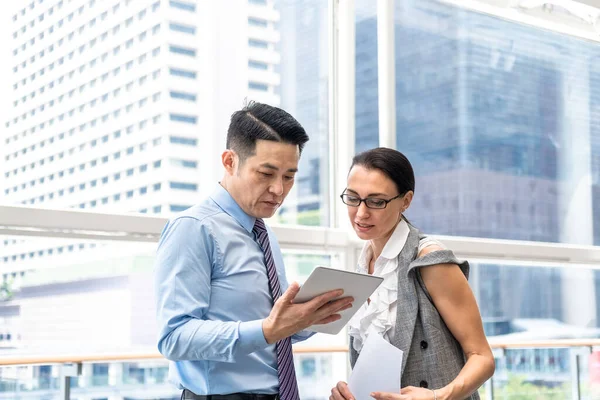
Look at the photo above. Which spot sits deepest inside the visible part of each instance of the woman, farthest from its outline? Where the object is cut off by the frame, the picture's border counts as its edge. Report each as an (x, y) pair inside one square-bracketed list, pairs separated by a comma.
[(424, 306)]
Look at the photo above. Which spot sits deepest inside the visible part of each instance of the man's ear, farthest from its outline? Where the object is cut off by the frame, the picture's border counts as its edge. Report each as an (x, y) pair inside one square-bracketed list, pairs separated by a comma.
[(230, 161)]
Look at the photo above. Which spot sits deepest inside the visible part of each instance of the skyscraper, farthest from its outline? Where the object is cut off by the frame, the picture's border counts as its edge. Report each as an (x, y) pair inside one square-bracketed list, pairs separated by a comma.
[(117, 104)]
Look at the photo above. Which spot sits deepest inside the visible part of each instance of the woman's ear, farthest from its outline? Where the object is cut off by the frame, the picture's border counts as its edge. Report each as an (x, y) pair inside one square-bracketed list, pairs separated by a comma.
[(407, 199)]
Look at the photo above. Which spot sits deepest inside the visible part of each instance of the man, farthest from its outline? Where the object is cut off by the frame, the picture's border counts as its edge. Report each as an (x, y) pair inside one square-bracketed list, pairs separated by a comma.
[(220, 277)]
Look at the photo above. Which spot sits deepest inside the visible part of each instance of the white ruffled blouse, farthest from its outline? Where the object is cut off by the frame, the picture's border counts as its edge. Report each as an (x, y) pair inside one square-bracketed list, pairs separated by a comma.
[(379, 315)]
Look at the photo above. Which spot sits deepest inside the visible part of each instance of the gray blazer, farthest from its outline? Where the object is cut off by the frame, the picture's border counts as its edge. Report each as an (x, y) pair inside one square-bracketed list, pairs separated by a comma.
[(432, 356)]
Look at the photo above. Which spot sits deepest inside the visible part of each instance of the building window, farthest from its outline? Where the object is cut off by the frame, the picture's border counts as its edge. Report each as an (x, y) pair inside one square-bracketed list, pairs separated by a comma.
[(183, 96), (184, 163), (182, 50), (183, 140), (260, 44), (183, 186), (257, 22), (182, 73), (263, 87), (191, 30), (188, 119), (258, 65), (182, 5), (178, 207)]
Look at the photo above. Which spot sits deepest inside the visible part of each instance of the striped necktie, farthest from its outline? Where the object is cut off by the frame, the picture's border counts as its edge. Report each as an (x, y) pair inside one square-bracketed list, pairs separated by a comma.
[(288, 387)]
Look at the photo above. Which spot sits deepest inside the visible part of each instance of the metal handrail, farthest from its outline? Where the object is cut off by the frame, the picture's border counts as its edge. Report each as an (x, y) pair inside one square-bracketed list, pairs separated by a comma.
[(151, 355)]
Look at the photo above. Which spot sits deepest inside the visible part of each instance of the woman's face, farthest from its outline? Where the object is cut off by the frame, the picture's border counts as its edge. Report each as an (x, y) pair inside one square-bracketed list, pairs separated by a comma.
[(370, 223)]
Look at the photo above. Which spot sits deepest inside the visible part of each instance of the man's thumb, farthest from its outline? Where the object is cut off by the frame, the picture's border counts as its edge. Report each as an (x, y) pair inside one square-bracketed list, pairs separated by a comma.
[(291, 292)]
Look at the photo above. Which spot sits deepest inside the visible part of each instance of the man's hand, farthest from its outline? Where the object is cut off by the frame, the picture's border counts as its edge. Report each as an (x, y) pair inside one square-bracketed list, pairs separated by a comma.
[(341, 392), (287, 318)]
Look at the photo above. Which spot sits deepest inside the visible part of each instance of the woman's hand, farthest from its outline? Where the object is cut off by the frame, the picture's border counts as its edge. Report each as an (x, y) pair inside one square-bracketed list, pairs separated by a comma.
[(406, 393), (341, 392)]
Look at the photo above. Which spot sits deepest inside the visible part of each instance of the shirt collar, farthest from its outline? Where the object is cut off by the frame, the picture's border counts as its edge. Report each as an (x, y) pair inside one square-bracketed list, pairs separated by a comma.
[(396, 242), (227, 203)]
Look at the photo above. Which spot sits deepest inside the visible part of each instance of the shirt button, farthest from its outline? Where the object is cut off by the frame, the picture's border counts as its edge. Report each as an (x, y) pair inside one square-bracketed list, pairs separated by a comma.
[(423, 384), (424, 344)]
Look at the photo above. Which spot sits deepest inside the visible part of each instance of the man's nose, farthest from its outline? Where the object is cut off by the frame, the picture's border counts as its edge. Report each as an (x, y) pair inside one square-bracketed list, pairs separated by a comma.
[(276, 187)]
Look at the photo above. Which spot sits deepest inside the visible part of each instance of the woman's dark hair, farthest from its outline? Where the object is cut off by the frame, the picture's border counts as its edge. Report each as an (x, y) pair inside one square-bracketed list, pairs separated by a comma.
[(392, 163), (257, 121)]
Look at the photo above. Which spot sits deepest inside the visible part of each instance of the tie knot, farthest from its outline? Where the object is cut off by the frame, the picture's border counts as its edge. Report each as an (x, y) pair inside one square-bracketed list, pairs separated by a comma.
[(259, 226)]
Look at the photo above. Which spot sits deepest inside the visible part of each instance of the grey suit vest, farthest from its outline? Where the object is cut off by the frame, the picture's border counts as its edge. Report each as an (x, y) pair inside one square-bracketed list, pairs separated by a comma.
[(432, 356)]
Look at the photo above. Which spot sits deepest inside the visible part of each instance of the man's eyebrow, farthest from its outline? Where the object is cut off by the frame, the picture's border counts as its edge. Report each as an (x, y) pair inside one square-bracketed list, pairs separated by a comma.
[(273, 167)]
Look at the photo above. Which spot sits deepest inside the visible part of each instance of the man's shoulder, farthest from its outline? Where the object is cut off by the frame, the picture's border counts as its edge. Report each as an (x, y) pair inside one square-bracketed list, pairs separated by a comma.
[(205, 213), (201, 212)]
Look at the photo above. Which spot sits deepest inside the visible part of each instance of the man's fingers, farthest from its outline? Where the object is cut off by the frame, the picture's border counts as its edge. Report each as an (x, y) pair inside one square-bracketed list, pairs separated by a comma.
[(328, 320), (290, 293), (334, 307), (325, 298)]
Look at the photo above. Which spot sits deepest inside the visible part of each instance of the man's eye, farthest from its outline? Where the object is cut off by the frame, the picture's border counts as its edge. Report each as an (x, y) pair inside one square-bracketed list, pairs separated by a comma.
[(266, 174), (288, 178)]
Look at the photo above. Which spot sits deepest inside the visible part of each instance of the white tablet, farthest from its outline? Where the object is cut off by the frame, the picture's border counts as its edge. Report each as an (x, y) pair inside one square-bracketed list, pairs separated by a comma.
[(325, 279)]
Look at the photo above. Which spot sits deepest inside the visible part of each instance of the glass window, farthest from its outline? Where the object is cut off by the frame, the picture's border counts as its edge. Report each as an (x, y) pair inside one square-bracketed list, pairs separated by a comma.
[(182, 50), (182, 28), (183, 186), (258, 65), (178, 207), (260, 44), (182, 96), (188, 119), (305, 92), (183, 140), (184, 163), (257, 22), (263, 87), (182, 5)]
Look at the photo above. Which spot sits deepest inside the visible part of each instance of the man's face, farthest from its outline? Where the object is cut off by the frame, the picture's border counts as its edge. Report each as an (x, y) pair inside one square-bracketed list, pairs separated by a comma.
[(264, 179)]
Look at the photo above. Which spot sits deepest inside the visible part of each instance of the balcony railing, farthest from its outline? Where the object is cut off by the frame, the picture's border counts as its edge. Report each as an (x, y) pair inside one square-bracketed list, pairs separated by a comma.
[(529, 369), (561, 369)]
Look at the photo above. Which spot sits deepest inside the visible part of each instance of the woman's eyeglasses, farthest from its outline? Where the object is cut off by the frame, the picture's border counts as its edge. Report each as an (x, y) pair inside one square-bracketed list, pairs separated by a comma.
[(370, 202)]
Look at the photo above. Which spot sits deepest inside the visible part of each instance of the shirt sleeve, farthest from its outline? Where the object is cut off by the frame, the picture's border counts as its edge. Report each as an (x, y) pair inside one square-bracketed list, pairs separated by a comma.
[(186, 255), (427, 241)]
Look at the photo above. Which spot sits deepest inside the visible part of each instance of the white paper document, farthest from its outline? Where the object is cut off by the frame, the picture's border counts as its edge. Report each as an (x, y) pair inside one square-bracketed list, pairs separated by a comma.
[(378, 368)]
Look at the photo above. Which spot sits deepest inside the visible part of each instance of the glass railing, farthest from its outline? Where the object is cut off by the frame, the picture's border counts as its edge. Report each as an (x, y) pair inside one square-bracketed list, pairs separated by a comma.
[(529, 370)]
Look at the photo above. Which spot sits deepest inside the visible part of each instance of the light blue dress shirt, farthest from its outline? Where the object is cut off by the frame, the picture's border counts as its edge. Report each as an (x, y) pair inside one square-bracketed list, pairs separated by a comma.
[(212, 297)]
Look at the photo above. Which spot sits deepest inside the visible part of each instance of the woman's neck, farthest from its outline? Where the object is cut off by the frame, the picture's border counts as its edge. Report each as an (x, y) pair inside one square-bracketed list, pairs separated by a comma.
[(377, 245)]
